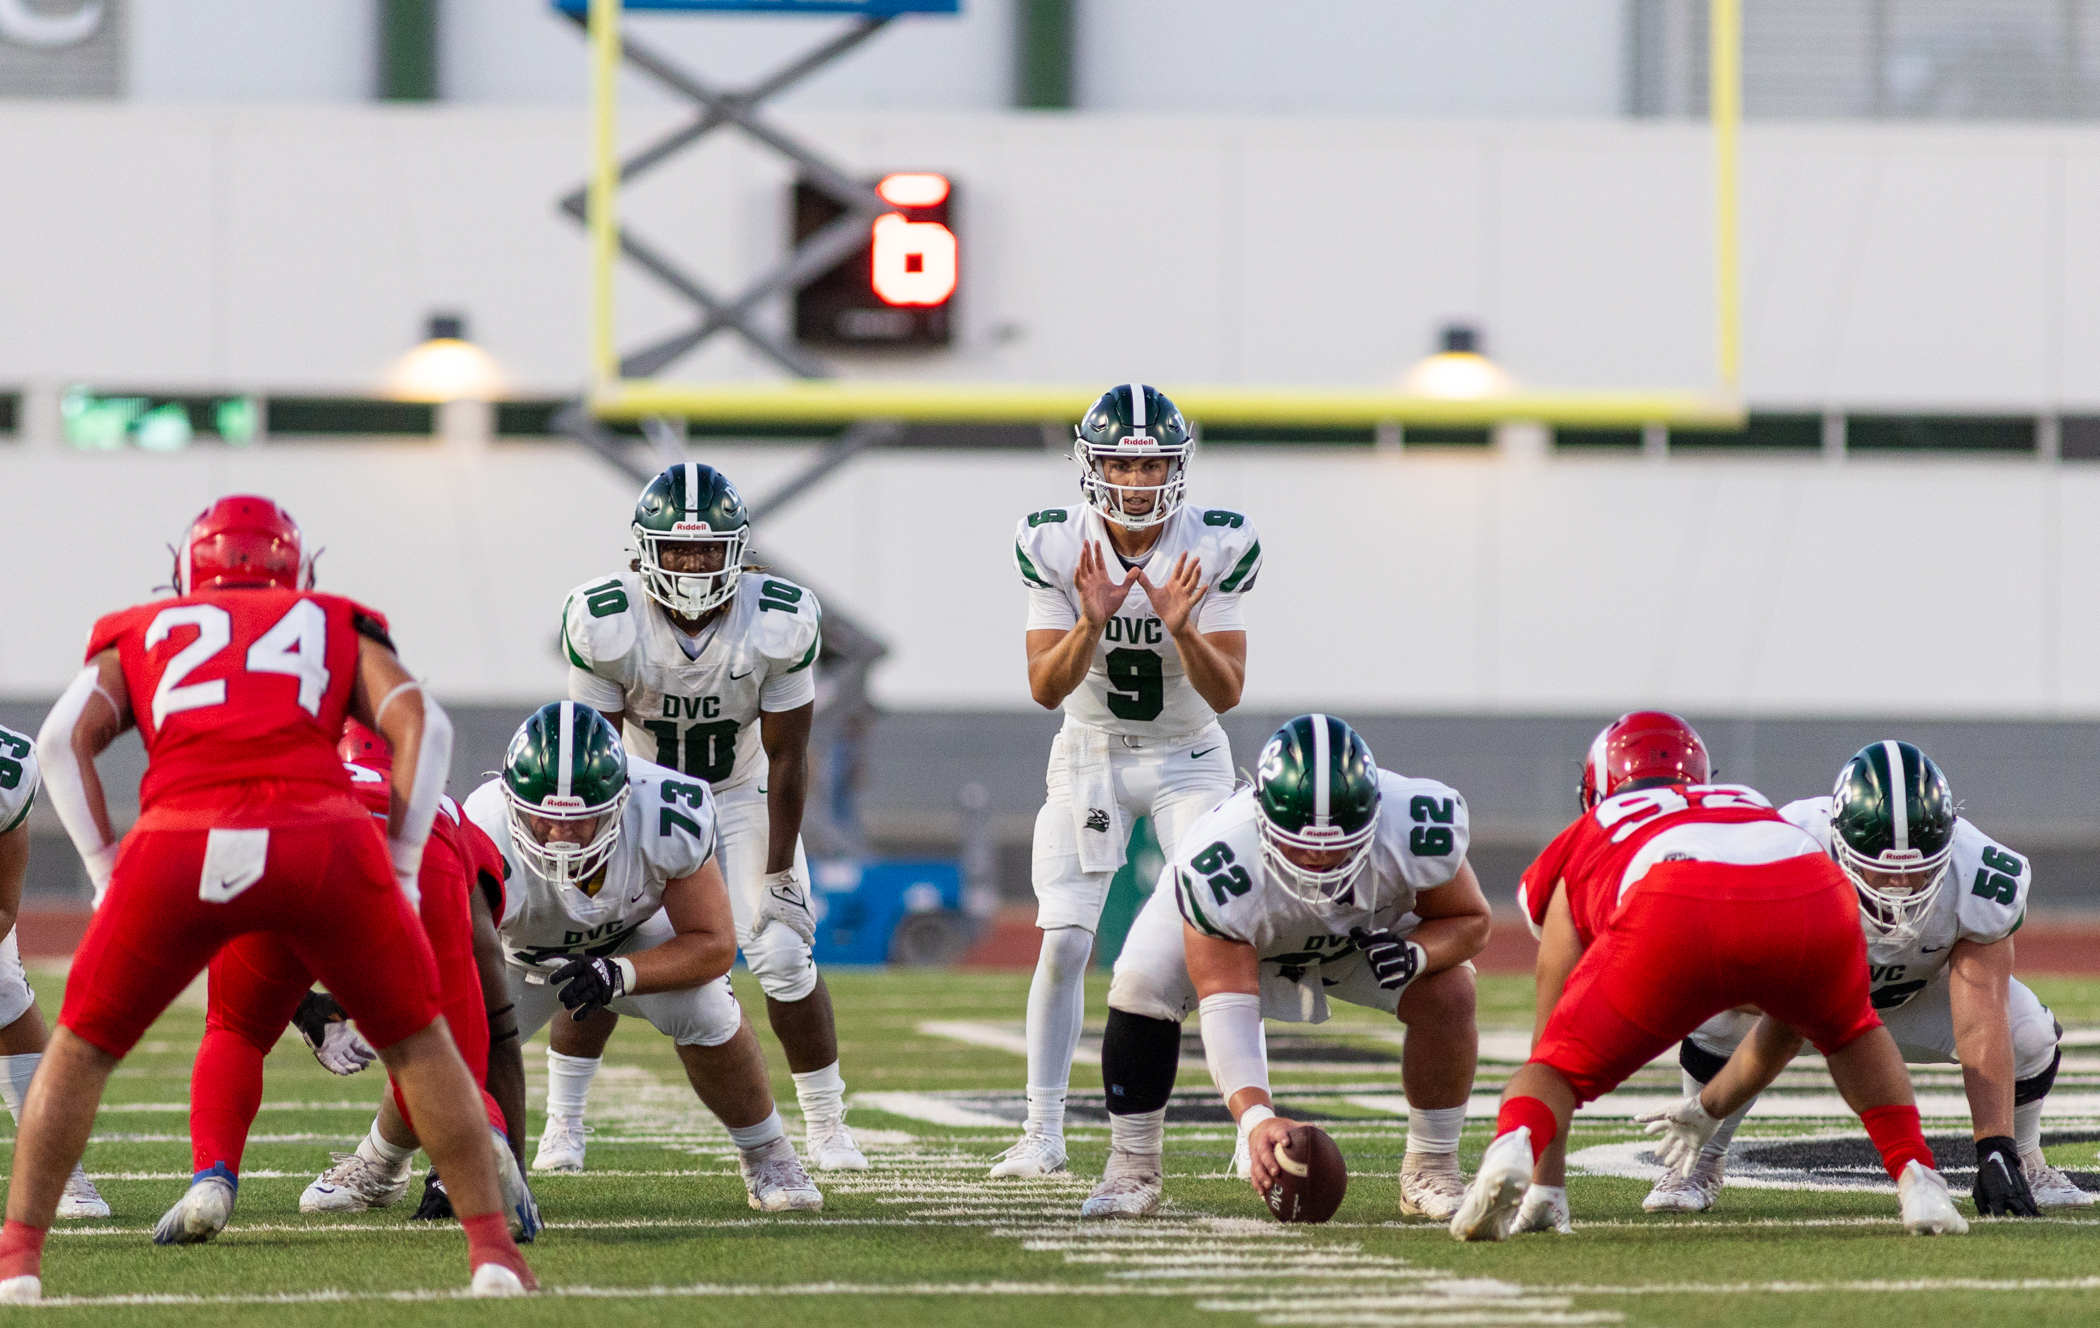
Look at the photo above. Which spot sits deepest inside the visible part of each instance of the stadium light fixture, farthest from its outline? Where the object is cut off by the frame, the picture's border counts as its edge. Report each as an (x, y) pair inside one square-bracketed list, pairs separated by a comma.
[(445, 367), (1458, 371)]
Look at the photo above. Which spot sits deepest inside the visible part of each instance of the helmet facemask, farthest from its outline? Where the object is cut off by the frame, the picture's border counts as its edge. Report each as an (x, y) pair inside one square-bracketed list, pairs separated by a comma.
[(1107, 499), (690, 594), (1326, 890), (564, 864), (1895, 913)]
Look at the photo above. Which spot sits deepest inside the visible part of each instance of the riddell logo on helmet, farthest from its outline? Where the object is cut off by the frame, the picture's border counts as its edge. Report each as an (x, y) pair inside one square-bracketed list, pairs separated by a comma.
[(693, 527), (558, 803)]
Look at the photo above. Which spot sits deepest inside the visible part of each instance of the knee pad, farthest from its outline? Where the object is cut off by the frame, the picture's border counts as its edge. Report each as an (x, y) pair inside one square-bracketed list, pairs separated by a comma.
[(707, 1017), (781, 962), (1139, 1058), (15, 996), (1065, 952), (2036, 1088), (1698, 1062)]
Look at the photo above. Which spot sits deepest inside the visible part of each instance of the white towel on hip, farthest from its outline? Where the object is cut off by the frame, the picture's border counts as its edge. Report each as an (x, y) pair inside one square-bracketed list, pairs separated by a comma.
[(1097, 816)]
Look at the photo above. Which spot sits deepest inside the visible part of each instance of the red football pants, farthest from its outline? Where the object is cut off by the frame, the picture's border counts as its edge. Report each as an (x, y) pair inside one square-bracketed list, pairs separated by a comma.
[(1697, 938), (257, 982)]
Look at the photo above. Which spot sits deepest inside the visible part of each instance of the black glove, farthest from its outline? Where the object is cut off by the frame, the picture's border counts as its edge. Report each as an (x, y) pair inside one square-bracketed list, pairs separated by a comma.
[(2001, 1185), (587, 986), (437, 1203), (315, 1013), (1395, 961)]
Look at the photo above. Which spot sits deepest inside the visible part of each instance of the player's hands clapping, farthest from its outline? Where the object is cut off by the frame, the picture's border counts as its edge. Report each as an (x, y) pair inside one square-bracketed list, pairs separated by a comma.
[(1100, 595), (1395, 961), (785, 900), (325, 1026), (1680, 1130), (1175, 598)]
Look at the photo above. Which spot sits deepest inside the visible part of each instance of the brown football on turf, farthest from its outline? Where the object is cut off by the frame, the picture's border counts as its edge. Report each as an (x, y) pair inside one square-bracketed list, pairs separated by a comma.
[(1311, 1179)]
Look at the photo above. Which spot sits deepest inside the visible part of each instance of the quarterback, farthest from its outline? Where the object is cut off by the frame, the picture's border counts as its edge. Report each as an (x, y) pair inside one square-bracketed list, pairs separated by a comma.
[(1939, 901), (616, 901), (1134, 628), (705, 666), (1328, 878)]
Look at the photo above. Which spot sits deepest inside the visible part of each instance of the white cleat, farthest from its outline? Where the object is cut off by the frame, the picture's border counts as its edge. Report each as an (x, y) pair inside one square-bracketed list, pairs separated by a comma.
[(519, 1207), (831, 1147), (561, 1144), (1688, 1194), (1928, 1210), (1545, 1209), (1034, 1157), (2051, 1188), (199, 1215), (354, 1183), (1431, 1186), (1490, 1206), (81, 1198), (27, 1289), (775, 1181), (1242, 1160), (1131, 1186), (493, 1280)]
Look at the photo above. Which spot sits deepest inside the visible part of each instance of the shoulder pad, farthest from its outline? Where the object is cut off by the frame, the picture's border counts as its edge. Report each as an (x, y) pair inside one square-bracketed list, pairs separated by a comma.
[(1812, 815), (1430, 828), (598, 624), (486, 808), (103, 635), (677, 821), (1216, 866), (1046, 545), (787, 624), (1991, 885), (1230, 545), (19, 778)]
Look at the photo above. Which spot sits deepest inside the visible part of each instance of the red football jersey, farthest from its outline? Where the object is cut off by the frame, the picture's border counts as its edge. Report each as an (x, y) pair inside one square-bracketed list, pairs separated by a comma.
[(1599, 858), (485, 864), (239, 697)]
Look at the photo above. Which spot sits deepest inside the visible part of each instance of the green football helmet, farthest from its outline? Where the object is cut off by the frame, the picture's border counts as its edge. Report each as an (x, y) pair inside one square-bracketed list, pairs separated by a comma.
[(1892, 814), (690, 504), (566, 764), (1317, 788), (1132, 420)]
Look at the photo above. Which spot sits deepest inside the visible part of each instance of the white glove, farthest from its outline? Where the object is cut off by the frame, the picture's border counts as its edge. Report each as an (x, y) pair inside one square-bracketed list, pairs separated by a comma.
[(408, 867), (786, 900), (1681, 1131), (99, 865), (329, 1036)]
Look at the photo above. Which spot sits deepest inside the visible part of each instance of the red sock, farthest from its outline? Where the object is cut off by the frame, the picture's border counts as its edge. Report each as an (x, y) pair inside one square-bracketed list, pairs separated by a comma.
[(488, 1241), (1895, 1132), (1536, 1114), (226, 1089), (21, 1250)]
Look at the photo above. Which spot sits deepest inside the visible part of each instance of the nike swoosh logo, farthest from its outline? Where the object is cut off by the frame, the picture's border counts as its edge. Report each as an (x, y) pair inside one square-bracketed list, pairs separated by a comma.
[(1931, 949), (1197, 756), (745, 674)]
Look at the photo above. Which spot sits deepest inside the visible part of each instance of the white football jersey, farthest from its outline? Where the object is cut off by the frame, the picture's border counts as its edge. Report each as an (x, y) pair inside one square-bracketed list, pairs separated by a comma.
[(19, 777), (1223, 888), (698, 714), (666, 832), (1137, 684), (1983, 900)]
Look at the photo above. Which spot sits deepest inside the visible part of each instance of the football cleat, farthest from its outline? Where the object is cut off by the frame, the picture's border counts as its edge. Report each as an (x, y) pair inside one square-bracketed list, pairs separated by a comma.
[(80, 1197), (519, 1207), (495, 1279), (1131, 1186), (1431, 1186), (199, 1215), (1242, 1159), (831, 1146), (1034, 1157), (2051, 1188), (1928, 1210), (775, 1181), (1694, 1193), (561, 1144), (354, 1183), (1490, 1206), (27, 1289), (1545, 1209)]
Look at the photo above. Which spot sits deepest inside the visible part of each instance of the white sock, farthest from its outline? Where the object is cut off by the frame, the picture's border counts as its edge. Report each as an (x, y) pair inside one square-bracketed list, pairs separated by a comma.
[(377, 1149), (1140, 1132), (1434, 1129), (1056, 1009), (748, 1137), (15, 1074), (2027, 1125), (821, 1093), (1717, 1146), (569, 1083)]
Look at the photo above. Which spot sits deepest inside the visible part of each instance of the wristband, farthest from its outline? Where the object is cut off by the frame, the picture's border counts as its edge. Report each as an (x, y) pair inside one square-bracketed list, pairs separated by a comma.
[(99, 865), (1254, 1116), (626, 967)]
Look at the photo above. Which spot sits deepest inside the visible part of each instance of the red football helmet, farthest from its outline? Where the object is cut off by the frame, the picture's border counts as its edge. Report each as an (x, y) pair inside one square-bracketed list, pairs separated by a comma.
[(1646, 744), (242, 540), (365, 747)]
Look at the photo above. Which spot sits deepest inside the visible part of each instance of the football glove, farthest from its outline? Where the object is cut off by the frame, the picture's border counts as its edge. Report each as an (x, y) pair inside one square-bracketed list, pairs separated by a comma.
[(324, 1024), (437, 1201), (1680, 1131), (786, 901), (587, 986), (2001, 1185), (1395, 961)]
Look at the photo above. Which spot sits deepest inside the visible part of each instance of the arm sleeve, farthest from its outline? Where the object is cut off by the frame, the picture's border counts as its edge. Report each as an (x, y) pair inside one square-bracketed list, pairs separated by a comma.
[(1220, 613), (433, 765), (1050, 611), (1233, 1042), (61, 774), (600, 694)]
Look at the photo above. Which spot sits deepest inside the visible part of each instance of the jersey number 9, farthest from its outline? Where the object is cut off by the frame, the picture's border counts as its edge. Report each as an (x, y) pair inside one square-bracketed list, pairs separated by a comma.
[(1137, 687)]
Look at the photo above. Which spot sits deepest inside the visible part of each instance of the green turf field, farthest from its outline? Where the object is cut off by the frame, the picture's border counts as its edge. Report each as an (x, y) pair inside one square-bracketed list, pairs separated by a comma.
[(659, 1231)]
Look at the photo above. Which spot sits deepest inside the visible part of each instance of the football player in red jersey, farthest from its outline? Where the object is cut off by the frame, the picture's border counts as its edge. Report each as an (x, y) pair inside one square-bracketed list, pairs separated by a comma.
[(239, 688), (258, 985), (1669, 900)]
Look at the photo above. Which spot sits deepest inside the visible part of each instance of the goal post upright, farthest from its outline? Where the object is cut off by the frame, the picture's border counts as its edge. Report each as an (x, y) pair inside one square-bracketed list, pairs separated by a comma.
[(1725, 110), (603, 218)]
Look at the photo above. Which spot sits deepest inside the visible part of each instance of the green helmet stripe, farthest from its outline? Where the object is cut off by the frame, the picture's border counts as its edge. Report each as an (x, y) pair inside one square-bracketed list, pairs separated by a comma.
[(1137, 408), (1899, 794), (566, 750), (692, 491), (1321, 788)]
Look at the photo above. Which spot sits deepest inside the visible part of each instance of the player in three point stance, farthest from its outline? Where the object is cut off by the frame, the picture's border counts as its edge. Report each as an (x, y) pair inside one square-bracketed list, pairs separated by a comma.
[(707, 667), (1134, 627), (1329, 877), (1939, 901), (239, 688), (22, 1036), (616, 901), (1668, 901)]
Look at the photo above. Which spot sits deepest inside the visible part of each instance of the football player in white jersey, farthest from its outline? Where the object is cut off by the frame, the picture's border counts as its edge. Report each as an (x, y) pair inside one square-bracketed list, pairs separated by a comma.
[(1939, 901), (1134, 627), (707, 667), (1329, 878), (615, 901), (22, 1034)]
